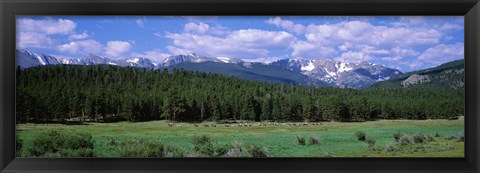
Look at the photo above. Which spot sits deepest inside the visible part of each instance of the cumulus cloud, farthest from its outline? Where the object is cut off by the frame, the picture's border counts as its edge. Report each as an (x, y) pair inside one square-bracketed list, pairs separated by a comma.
[(308, 50), (156, 55), (37, 33), (442, 53), (83, 35), (287, 25), (83, 47), (117, 48), (200, 28), (33, 40), (246, 43), (358, 32), (351, 56), (178, 51), (47, 26)]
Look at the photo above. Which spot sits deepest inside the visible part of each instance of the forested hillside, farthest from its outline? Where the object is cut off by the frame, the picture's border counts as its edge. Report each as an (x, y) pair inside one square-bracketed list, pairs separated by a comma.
[(448, 75), (112, 93)]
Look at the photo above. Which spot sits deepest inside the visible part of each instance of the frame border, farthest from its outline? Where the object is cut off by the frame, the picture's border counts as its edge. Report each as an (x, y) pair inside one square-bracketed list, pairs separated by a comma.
[(10, 8)]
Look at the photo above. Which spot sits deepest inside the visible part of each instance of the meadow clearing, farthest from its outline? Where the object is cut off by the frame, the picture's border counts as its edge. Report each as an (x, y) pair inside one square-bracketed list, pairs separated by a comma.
[(335, 139)]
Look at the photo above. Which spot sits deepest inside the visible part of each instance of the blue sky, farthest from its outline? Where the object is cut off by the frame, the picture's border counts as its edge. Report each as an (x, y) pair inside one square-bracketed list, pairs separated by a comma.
[(403, 42)]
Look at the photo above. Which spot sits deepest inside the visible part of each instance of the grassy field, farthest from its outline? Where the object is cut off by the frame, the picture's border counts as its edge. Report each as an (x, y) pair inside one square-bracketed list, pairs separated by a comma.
[(336, 139)]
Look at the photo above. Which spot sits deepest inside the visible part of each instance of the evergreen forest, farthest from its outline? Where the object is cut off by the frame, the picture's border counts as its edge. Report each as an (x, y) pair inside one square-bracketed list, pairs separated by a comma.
[(103, 93)]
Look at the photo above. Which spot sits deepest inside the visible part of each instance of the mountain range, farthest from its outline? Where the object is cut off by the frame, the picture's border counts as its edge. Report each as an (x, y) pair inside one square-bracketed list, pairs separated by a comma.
[(320, 72)]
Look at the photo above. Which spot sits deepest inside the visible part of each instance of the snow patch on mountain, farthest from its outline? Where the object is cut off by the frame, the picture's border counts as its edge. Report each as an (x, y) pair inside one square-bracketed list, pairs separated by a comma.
[(309, 67), (343, 67), (133, 60)]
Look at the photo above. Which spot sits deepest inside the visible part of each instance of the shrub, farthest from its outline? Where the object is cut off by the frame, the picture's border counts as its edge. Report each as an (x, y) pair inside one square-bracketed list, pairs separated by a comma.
[(256, 151), (405, 140), (398, 135), (202, 145), (327, 154), (78, 141), (450, 137), (314, 140), (54, 143), (429, 138), (437, 135), (174, 152), (389, 148), (300, 140), (154, 149), (110, 141), (460, 137), (419, 138), (222, 149), (235, 151), (371, 143), (361, 136), (47, 142)]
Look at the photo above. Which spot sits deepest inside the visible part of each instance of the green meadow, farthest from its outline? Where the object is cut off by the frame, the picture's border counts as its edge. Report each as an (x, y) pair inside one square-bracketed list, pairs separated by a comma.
[(336, 139)]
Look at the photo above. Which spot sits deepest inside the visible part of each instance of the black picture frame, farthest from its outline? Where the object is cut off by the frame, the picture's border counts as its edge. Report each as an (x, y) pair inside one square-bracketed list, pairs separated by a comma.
[(10, 8)]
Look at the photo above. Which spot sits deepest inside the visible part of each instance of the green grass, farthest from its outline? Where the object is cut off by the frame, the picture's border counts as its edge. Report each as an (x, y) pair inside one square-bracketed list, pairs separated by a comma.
[(336, 139)]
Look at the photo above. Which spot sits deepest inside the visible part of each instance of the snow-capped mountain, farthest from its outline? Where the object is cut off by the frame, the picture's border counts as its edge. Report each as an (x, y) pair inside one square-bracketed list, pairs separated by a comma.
[(27, 59), (177, 59), (339, 74), (325, 71)]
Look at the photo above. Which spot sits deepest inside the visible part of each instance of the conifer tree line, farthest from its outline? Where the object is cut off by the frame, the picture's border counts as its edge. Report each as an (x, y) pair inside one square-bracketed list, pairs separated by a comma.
[(62, 93)]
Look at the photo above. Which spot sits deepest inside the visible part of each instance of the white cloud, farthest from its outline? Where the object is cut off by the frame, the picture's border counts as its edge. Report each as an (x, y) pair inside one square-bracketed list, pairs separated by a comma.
[(308, 50), (357, 32), (351, 56), (81, 47), (117, 48), (140, 22), (156, 55), (264, 59), (47, 26), (219, 30), (442, 53), (255, 38), (33, 40), (200, 28), (83, 35), (450, 26), (178, 51), (249, 43), (398, 53), (287, 25)]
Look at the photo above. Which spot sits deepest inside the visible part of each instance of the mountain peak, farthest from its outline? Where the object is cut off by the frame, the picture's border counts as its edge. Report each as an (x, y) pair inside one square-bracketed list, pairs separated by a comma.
[(337, 73)]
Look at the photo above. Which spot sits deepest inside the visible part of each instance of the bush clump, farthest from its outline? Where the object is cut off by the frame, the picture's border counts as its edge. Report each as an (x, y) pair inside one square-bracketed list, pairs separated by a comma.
[(56, 144), (398, 135), (389, 148), (256, 151), (405, 140), (203, 146), (371, 143), (361, 136), (419, 138), (300, 140), (429, 138), (313, 140), (460, 137)]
